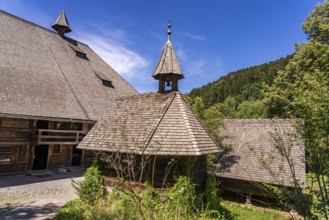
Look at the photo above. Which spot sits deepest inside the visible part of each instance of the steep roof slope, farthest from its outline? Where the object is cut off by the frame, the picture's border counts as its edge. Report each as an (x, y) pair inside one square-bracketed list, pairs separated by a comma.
[(168, 63), (254, 155), (150, 124), (45, 75)]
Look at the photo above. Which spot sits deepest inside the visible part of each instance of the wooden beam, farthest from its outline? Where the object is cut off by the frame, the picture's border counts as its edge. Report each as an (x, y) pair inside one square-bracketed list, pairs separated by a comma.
[(14, 143)]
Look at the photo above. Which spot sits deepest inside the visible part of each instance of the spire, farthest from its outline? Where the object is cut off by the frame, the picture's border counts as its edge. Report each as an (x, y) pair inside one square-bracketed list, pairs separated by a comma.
[(168, 70), (169, 29), (61, 25)]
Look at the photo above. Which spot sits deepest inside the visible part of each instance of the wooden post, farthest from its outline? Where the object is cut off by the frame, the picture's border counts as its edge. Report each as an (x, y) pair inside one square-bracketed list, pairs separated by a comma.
[(161, 85), (248, 199), (174, 82), (26, 158)]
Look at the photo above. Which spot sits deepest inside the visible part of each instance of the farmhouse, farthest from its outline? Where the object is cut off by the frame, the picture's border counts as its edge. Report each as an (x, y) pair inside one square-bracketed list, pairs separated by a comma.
[(158, 129), (260, 151), (53, 89)]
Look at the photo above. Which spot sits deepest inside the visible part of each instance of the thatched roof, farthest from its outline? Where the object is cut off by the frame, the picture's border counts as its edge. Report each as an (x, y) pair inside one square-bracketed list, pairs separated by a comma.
[(45, 75), (168, 63), (150, 124), (254, 155)]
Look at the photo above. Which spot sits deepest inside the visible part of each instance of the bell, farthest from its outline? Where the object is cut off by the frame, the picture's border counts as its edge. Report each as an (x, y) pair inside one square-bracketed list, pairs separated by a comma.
[(168, 83)]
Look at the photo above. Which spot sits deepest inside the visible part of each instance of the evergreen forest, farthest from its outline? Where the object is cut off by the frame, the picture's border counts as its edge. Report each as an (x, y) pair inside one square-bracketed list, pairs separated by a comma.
[(240, 93)]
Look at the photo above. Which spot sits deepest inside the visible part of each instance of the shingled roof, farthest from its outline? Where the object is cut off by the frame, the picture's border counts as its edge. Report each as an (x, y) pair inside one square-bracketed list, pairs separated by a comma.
[(168, 63), (254, 156), (150, 124), (43, 74)]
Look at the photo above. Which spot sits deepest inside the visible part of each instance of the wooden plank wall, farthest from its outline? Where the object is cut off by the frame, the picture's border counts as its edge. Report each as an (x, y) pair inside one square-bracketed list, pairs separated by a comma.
[(14, 130), (62, 159), (15, 136)]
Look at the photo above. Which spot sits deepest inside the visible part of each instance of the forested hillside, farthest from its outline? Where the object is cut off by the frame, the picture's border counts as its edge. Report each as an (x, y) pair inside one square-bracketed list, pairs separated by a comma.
[(243, 84)]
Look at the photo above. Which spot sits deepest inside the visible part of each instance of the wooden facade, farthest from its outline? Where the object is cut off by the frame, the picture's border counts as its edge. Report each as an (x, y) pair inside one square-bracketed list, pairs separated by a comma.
[(24, 148), (158, 171)]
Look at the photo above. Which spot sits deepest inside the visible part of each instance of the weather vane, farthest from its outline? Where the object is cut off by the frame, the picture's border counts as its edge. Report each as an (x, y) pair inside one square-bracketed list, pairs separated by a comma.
[(169, 29)]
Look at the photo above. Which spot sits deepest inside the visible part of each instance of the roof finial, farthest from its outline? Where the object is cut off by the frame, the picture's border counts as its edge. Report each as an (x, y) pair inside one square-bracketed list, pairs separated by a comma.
[(61, 25), (169, 29)]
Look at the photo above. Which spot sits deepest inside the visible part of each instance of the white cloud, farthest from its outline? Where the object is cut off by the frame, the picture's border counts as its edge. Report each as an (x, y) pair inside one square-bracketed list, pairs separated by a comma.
[(194, 37), (203, 67), (124, 60), (114, 45)]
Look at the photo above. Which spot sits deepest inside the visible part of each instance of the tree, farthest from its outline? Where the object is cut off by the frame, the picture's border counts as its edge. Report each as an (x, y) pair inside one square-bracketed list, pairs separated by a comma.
[(302, 91), (211, 117)]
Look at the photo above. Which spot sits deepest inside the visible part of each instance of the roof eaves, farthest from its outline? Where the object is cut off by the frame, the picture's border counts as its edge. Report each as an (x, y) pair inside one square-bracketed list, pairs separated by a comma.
[(48, 118)]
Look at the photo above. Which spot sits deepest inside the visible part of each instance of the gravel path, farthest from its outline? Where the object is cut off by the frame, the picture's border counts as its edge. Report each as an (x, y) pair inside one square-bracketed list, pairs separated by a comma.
[(37, 196)]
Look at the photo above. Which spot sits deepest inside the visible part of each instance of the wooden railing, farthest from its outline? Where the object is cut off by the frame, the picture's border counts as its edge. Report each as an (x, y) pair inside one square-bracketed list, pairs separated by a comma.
[(48, 136)]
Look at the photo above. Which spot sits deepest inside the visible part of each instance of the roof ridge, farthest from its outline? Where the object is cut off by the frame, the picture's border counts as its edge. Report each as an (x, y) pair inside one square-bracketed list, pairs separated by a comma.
[(157, 122), (190, 108), (188, 126), (37, 25), (163, 52), (67, 81)]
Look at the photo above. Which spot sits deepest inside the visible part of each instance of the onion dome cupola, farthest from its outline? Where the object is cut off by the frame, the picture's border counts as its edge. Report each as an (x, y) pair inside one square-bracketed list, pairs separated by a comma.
[(168, 70), (61, 25)]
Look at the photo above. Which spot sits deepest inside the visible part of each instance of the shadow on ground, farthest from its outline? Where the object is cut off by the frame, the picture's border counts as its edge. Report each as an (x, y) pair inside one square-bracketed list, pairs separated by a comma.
[(28, 211), (39, 177)]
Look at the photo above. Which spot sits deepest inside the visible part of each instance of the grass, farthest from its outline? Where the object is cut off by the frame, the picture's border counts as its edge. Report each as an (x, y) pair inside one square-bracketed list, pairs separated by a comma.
[(77, 210), (244, 212)]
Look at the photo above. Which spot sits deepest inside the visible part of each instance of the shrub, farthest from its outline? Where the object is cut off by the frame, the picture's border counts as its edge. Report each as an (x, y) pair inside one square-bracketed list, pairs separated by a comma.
[(92, 187)]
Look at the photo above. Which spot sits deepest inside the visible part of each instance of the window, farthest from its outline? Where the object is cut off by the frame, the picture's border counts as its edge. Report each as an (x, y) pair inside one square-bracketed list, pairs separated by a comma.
[(22, 152), (81, 55), (106, 81), (57, 149), (5, 154), (78, 52)]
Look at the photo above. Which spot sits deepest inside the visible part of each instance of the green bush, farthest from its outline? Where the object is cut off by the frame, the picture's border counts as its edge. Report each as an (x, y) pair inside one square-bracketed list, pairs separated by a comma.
[(70, 211), (210, 194), (92, 187), (178, 203)]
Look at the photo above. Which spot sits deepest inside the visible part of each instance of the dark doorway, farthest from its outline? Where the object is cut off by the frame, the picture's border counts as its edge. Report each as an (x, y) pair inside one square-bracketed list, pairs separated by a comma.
[(76, 156), (40, 157), (42, 124)]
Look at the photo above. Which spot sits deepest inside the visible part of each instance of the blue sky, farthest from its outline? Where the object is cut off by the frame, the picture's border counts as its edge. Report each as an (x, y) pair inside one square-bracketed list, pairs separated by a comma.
[(211, 37)]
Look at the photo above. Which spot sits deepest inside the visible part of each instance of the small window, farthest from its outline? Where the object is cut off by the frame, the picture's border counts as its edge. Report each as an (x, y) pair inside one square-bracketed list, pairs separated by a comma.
[(107, 83), (78, 52), (105, 80), (5, 154), (22, 152), (57, 149), (81, 55)]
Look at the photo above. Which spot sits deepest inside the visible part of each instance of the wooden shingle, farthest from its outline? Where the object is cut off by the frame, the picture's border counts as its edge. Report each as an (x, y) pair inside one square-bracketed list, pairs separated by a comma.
[(254, 155), (150, 124)]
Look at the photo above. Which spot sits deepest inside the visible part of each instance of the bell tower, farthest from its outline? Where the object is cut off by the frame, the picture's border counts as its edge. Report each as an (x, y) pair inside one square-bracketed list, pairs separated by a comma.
[(168, 70)]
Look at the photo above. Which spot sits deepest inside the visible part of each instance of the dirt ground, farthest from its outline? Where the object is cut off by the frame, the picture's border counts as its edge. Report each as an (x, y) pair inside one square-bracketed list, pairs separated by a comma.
[(37, 196)]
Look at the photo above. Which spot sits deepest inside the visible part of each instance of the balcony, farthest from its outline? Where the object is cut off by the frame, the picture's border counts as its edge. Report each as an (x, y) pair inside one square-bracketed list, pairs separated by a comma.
[(64, 137)]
